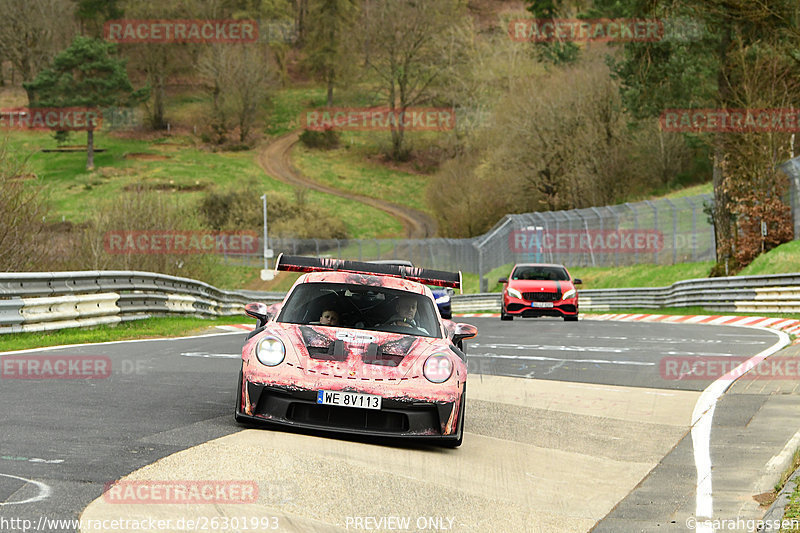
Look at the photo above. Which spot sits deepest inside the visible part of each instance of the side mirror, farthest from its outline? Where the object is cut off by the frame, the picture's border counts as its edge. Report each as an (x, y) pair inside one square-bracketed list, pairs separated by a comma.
[(464, 331), (576, 281), (258, 311), (502, 280)]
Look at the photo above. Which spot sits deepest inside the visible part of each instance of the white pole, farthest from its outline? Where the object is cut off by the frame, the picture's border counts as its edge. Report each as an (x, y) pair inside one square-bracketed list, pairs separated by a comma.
[(266, 273), (264, 200)]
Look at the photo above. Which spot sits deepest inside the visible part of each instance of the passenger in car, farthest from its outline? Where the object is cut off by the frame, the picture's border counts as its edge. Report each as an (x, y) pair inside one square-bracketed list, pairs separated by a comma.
[(329, 317)]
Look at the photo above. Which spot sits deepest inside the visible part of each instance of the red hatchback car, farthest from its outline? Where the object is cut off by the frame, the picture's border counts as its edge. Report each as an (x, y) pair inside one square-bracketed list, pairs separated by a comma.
[(535, 289)]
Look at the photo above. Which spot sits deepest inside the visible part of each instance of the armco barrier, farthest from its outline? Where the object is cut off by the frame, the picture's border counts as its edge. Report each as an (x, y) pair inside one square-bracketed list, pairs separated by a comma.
[(777, 293), (42, 301)]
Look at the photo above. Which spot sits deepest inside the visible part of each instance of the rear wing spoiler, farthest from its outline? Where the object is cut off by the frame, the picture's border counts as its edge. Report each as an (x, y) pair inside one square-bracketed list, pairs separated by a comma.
[(298, 263)]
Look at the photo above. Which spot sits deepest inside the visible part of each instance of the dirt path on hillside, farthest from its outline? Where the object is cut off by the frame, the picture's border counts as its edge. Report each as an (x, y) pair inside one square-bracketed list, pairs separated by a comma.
[(275, 159)]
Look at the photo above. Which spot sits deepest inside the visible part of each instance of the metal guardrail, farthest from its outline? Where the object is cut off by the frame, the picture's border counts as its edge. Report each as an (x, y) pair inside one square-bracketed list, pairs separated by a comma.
[(776, 293), (42, 301)]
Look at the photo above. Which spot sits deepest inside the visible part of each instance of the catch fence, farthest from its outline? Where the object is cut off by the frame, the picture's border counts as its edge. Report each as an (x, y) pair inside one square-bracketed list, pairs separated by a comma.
[(664, 231)]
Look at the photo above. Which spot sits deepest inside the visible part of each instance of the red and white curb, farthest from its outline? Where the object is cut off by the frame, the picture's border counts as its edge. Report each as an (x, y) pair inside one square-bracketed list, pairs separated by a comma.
[(237, 327), (786, 325)]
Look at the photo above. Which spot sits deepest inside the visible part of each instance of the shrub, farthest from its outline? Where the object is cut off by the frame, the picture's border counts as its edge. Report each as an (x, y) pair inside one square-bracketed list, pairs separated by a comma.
[(22, 212), (325, 139)]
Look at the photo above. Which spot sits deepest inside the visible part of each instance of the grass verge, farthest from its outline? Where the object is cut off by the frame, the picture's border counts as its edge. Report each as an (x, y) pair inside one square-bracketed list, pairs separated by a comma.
[(347, 169), (137, 329), (792, 510)]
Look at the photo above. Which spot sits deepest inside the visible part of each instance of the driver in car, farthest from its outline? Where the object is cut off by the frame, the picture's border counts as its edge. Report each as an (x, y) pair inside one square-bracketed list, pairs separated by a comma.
[(405, 314)]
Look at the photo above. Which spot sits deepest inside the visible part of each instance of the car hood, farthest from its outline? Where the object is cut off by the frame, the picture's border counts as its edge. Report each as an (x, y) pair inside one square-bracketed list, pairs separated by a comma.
[(532, 285), (361, 355)]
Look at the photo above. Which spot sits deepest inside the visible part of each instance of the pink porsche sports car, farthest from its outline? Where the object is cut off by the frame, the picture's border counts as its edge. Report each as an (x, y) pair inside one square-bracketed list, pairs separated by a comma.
[(358, 348), (536, 289)]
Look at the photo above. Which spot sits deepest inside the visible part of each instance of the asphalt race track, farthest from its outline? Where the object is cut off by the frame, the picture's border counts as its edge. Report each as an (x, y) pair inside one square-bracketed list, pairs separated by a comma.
[(564, 422)]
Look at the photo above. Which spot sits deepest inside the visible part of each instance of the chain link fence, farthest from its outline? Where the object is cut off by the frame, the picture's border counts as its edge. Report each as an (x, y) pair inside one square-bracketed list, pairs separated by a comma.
[(657, 232)]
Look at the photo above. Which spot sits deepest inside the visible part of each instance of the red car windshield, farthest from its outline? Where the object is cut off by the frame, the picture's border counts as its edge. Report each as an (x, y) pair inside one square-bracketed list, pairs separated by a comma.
[(542, 273)]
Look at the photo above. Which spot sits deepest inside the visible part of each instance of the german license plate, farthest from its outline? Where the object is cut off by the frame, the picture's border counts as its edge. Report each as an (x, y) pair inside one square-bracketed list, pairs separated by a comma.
[(349, 399), (542, 304)]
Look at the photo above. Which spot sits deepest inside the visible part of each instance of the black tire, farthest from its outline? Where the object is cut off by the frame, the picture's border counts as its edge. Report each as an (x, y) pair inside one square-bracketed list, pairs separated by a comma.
[(504, 316), (455, 443), (571, 318), (236, 415)]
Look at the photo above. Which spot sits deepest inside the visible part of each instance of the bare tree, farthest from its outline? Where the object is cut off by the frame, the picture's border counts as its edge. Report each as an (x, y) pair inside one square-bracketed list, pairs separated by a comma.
[(407, 44), (329, 48), (159, 61), (33, 31), (239, 79), (22, 212)]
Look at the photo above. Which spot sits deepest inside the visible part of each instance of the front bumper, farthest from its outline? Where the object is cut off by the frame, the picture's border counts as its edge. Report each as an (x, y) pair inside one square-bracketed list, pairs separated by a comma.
[(298, 408), (519, 307)]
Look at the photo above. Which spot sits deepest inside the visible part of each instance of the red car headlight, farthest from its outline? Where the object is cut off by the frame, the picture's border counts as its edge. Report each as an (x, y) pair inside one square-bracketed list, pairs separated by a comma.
[(514, 293), (569, 294), (438, 368)]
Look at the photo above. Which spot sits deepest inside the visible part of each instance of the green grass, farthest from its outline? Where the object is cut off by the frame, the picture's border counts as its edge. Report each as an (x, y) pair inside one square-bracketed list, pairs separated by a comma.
[(694, 190), (784, 259), (347, 169), (286, 107), (792, 510), (186, 173), (614, 276), (136, 329), (639, 275)]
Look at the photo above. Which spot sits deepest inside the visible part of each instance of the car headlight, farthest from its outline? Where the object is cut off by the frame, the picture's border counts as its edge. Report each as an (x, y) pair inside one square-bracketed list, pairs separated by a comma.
[(438, 368), (514, 292), (270, 351), (569, 294), (443, 299)]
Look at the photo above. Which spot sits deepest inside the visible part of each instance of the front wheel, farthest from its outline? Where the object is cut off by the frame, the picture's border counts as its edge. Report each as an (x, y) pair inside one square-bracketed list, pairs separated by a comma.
[(571, 318), (504, 316)]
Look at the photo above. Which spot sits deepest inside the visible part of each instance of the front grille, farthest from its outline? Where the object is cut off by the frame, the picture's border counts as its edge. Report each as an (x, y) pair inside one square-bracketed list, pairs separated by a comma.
[(541, 296), (300, 407), (347, 417)]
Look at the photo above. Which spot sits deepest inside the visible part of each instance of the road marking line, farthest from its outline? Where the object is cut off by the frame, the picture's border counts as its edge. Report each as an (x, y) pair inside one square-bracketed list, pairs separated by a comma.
[(206, 354), (541, 358), (702, 417), (60, 346), (44, 491)]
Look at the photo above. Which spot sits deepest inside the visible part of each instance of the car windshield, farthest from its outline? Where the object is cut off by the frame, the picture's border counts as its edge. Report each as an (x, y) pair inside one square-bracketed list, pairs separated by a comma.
[(551, 273), (362, 307)]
